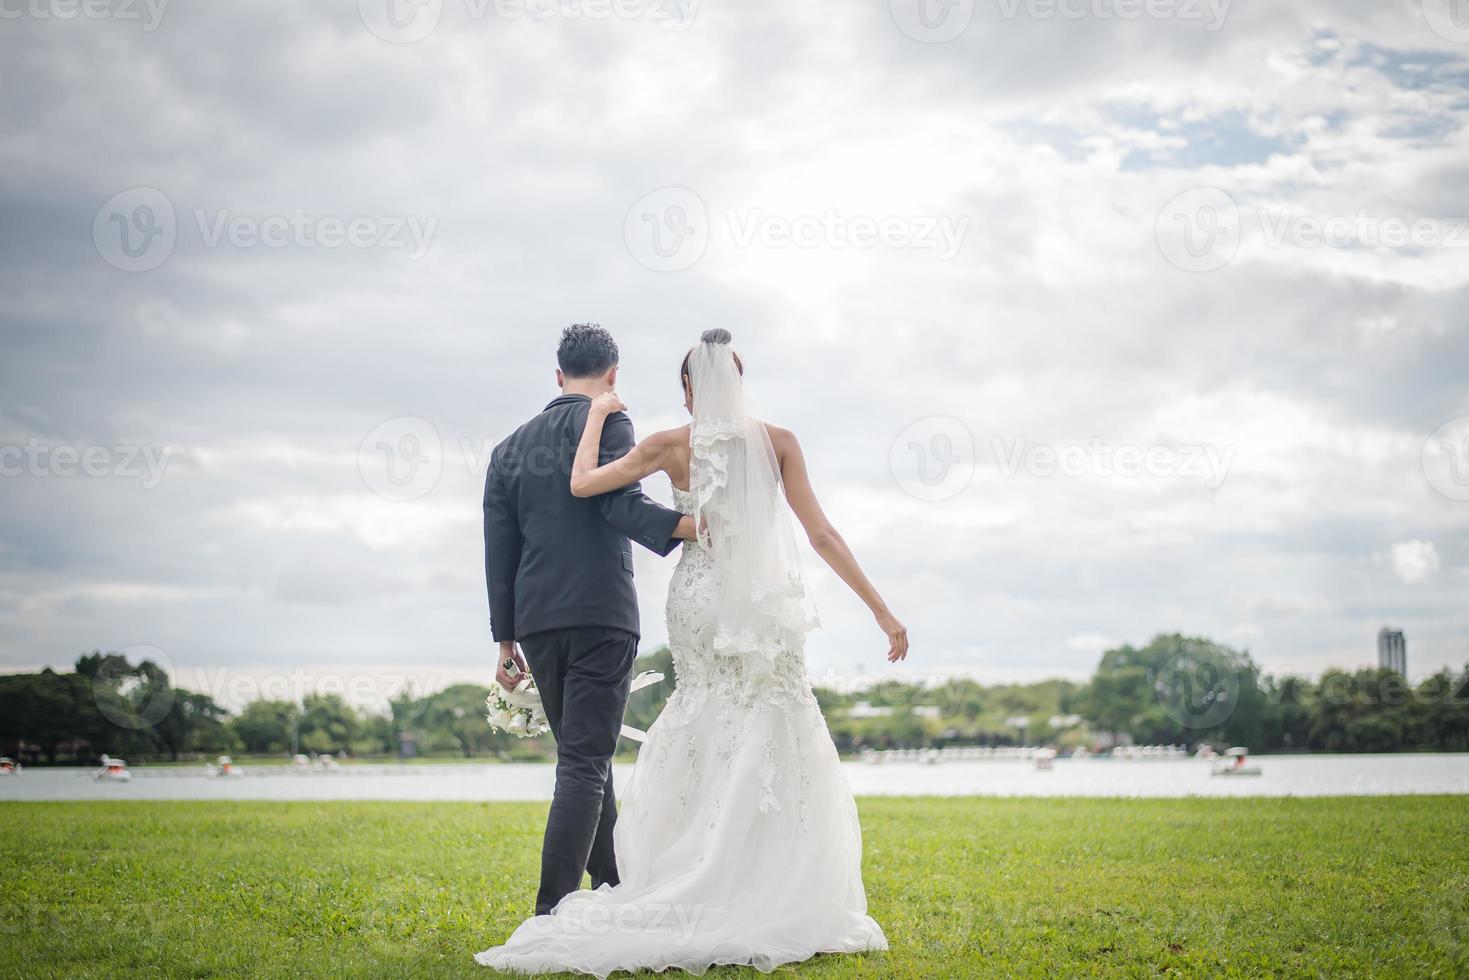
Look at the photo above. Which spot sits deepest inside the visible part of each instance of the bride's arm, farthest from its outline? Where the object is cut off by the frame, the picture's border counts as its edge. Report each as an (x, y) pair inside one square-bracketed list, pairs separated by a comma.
[(646, 458), (828, 543)]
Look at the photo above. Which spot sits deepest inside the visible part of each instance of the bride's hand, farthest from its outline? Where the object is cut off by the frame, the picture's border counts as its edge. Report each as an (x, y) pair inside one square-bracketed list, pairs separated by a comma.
[(897, 635), (607, 403)]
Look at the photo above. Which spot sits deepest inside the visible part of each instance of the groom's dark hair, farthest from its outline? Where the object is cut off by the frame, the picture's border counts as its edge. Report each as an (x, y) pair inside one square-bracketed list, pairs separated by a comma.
[(586, 351)]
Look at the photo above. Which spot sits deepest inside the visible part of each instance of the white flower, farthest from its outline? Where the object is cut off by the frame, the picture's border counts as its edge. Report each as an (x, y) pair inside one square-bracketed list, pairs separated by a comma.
[(517, 712)]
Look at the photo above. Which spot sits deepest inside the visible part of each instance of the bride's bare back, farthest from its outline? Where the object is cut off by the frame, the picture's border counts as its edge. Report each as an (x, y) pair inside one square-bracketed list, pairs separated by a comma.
[(668, 452)]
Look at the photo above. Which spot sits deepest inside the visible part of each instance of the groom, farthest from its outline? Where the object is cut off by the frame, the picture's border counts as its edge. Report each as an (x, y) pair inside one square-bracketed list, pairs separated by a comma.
[(560, 578)]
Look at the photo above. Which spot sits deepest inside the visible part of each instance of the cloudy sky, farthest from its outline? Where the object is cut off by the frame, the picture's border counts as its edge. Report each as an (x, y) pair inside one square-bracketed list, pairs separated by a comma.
[(1097, 318)]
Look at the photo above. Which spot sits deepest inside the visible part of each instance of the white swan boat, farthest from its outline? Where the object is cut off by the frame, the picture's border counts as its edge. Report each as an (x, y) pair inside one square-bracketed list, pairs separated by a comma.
[(1239, 766), (113, 770)]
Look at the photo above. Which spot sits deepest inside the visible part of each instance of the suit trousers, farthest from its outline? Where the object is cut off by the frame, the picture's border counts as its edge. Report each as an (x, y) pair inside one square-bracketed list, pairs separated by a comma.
[(583, 675)]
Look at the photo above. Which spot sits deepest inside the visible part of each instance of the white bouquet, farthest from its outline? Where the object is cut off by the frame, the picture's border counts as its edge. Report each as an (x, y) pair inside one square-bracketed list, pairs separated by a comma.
[(518, 711)]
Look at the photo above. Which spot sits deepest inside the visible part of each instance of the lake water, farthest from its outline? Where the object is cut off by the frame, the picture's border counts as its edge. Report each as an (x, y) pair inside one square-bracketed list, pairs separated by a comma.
[(1306, 775)]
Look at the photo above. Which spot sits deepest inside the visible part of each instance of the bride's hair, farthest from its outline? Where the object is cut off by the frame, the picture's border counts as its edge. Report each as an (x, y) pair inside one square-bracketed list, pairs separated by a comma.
[(715, 335)]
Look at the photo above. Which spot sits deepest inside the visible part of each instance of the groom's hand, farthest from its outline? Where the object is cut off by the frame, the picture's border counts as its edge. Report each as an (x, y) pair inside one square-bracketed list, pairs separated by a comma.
[(510, 676), (686, 528)]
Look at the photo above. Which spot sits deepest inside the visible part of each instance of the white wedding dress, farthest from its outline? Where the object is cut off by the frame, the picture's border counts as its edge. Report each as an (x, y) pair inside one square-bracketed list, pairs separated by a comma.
[(737, 838)]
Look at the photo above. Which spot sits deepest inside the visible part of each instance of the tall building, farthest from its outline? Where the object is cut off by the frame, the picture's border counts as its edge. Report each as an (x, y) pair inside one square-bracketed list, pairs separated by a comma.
[(1392, 650)]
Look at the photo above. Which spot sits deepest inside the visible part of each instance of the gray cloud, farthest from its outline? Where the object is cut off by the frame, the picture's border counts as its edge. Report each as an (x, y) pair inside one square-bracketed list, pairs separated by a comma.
[(1060, 321)]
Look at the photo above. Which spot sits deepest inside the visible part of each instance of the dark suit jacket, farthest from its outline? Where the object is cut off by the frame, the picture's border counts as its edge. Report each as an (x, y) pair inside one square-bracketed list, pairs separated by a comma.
[(554, 561)]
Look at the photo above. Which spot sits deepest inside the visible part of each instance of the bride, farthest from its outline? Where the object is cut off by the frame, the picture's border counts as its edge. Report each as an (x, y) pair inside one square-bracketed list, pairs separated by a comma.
[(738, 840)]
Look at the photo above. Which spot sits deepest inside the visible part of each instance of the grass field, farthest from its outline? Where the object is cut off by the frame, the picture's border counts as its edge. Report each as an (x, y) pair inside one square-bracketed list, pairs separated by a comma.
[(964, 887)]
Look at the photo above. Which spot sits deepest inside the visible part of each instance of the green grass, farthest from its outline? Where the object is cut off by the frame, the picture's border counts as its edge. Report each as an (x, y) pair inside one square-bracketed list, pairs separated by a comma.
[(963, 887)]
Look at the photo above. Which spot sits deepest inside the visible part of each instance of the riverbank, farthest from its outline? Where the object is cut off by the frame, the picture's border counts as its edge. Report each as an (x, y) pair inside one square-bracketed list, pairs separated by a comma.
[(964, 887), (1394, 774)]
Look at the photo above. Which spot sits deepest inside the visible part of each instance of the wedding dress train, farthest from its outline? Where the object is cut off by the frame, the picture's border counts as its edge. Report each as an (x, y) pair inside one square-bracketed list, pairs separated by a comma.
[(737, 838)]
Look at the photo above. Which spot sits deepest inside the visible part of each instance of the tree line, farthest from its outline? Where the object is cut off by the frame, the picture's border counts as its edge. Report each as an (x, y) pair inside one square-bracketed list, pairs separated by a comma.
[(110, 705), (1176, 690)]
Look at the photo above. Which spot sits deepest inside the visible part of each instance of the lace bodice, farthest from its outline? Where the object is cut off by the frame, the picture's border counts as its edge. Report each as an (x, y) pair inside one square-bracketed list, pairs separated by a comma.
[(697, 666)]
